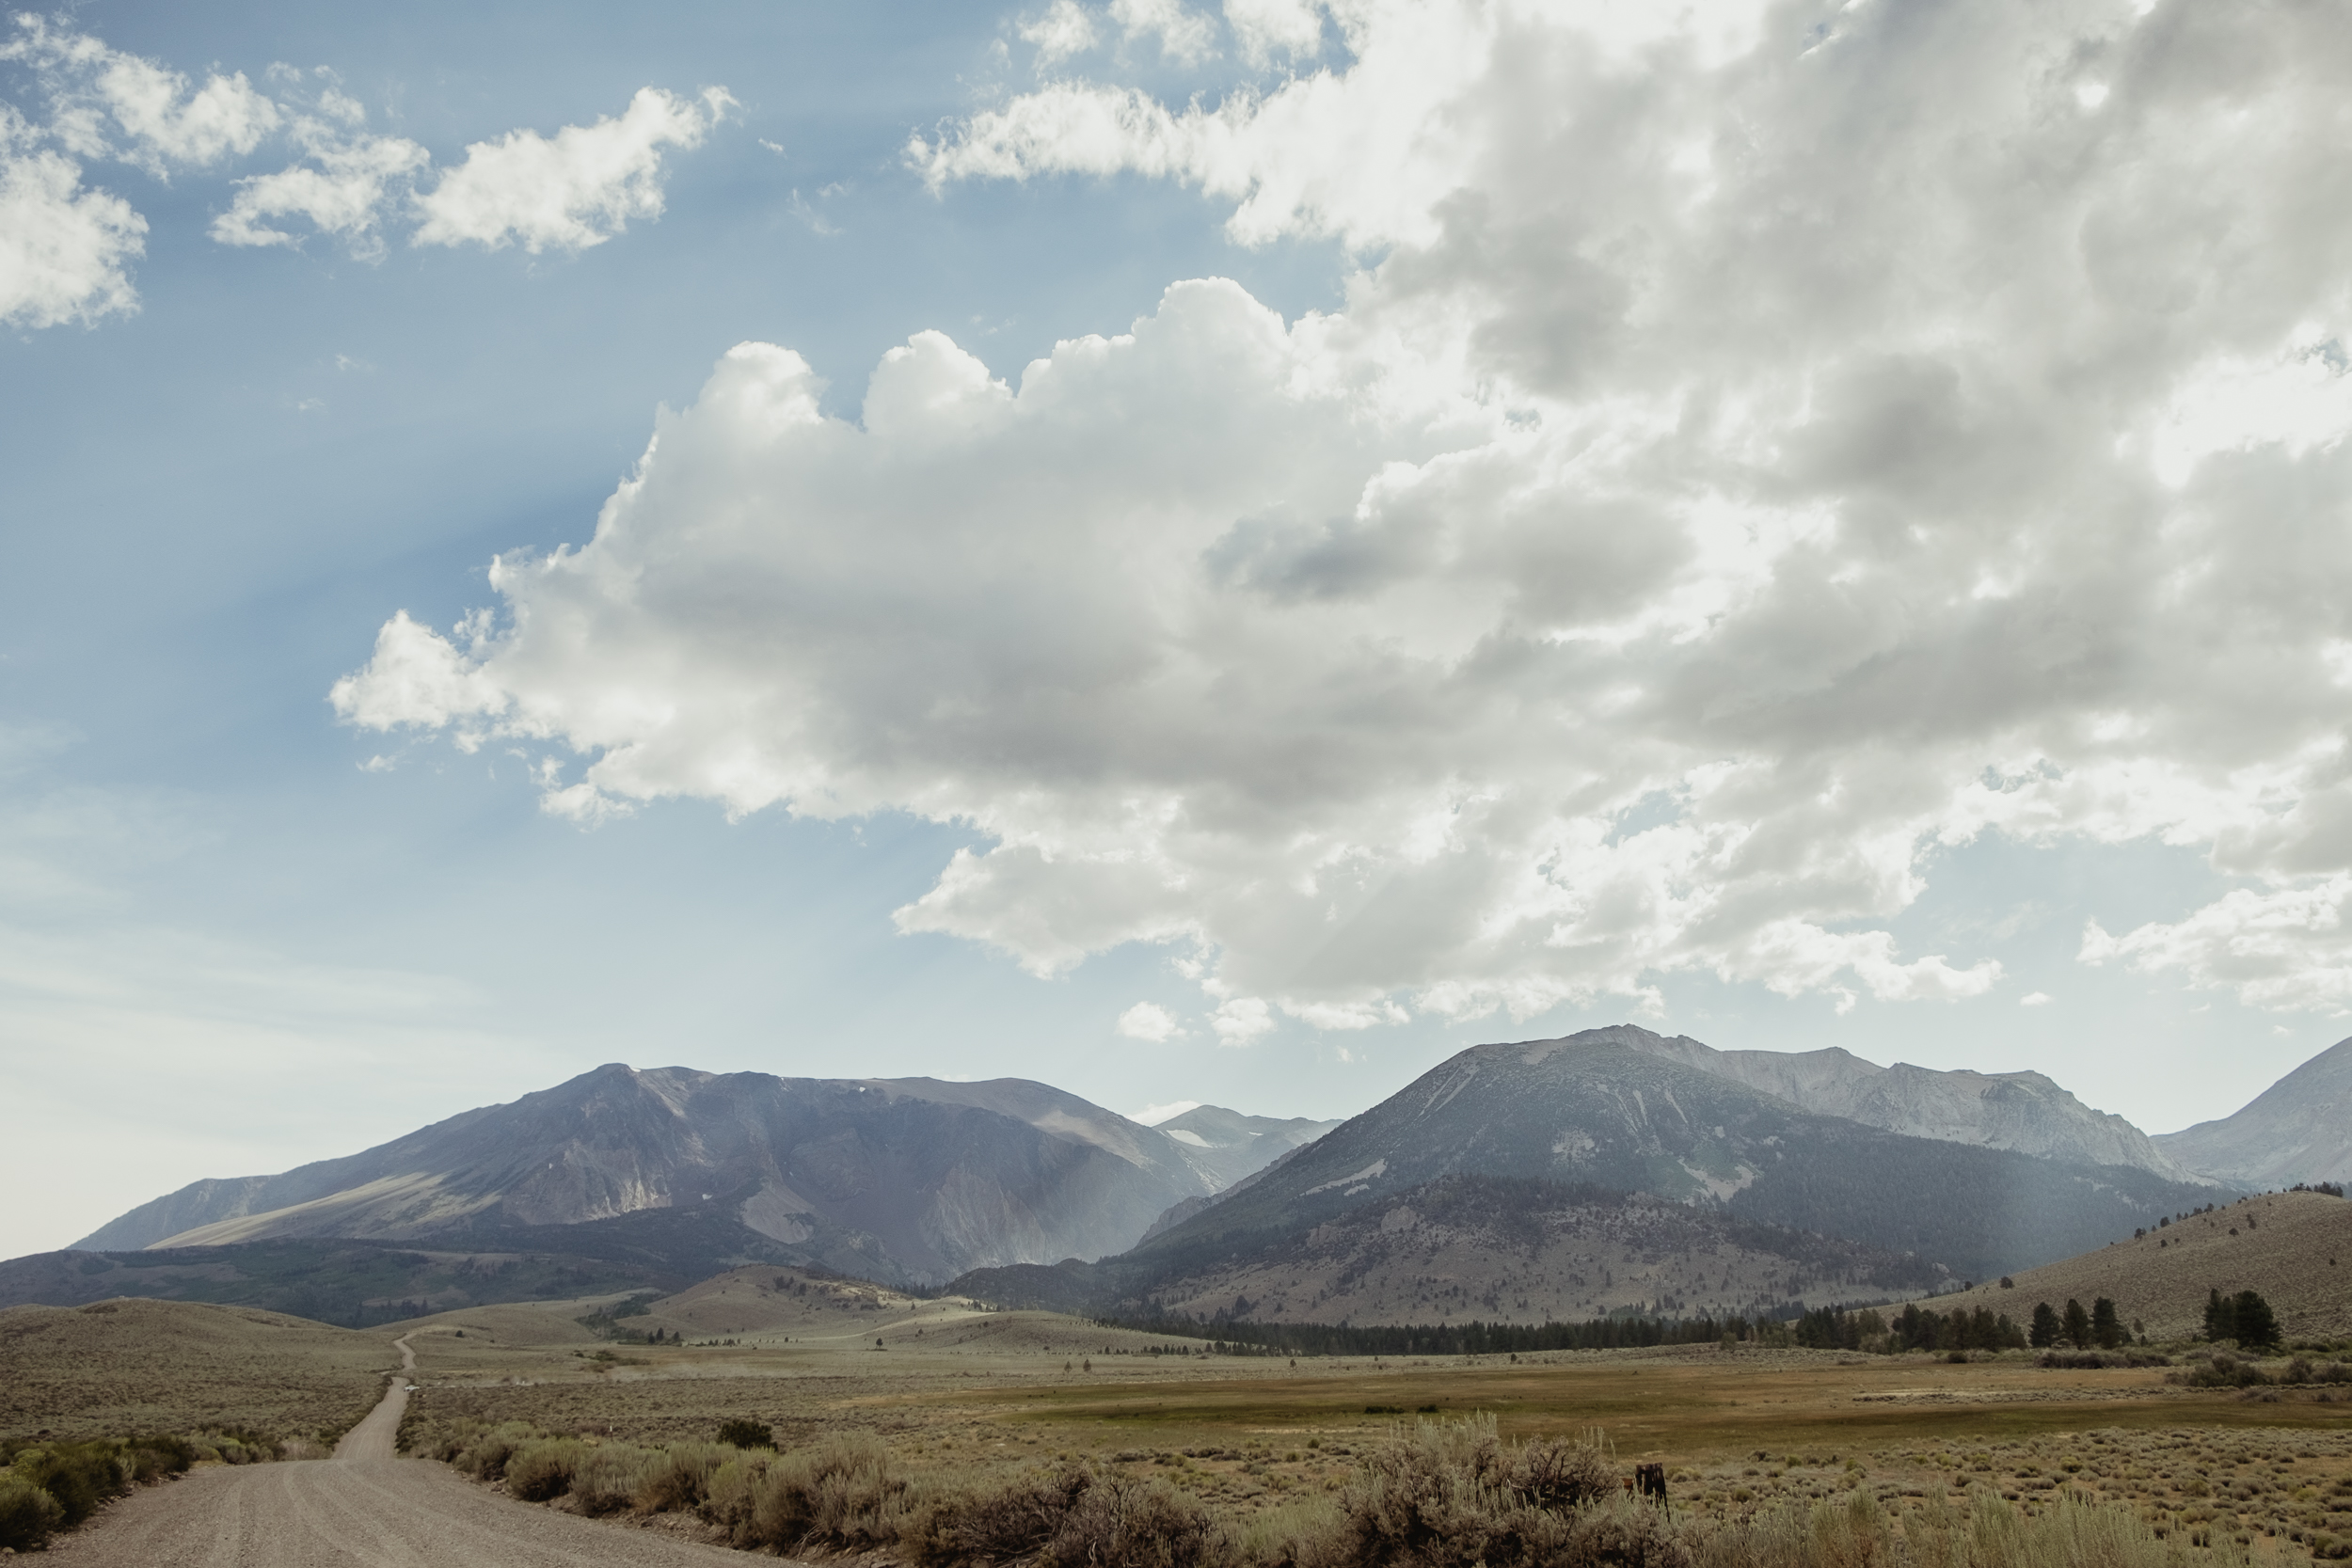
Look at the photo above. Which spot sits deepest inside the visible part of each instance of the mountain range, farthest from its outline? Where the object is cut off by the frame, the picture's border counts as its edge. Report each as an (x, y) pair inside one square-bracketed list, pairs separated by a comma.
[(629, 1179), (905, 1181), (2024, 1111), (1608, 1109)]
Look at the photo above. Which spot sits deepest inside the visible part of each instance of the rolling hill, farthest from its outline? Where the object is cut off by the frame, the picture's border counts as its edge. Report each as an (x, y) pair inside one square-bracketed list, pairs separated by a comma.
[(2296, 1249), (112, 1367)]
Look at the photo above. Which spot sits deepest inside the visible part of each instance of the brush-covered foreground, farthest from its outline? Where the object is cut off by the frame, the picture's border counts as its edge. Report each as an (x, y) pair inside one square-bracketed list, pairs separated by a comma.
[(1435, 1495), (942, 1437), (97, 1400), (115, 1367)]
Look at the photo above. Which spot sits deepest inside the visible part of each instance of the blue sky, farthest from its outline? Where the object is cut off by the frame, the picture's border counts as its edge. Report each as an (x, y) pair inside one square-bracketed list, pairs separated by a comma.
[(1935, 654)]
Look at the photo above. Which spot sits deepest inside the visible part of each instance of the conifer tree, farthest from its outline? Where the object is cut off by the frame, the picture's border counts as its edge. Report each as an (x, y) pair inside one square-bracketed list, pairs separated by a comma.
[(2107, 1328), (2044, 1332), (2078, 1325), (2257, 1327)]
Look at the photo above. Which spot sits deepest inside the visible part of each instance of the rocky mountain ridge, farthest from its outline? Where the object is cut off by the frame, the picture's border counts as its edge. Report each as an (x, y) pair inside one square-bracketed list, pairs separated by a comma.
[(1592, 1109), (903, 1179), (2299, 1130), (2022, 1111)]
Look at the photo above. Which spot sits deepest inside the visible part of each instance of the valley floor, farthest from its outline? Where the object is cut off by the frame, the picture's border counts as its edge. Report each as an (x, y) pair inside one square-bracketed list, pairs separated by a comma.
[(970, 1397)]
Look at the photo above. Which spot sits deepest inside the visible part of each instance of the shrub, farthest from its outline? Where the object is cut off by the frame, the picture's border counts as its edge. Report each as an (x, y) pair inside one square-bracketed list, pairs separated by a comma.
[(1559, 1475), (79, 1476), (845, 1492), (745, 1434), (997, 1524), (608, 1479), (680, 1477), (28, 1513), (1451, 1497), (2220, 1370), (1127, 1523), (543, 1468), (481, 1450)]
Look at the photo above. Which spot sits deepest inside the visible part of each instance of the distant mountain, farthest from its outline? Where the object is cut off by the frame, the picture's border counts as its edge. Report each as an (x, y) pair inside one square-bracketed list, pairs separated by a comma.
[(1229, 1145), (1591, 1110), (2024, 1111), (908, 1179), (1491, 1249), (2298, 1129)]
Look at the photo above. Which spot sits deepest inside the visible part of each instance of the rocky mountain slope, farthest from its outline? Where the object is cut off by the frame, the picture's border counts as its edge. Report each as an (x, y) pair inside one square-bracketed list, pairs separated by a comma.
[(1231, 1146), (901, 1179), (2298, 1130), (1493, 1250), (1591, 1110), (2024, 1111)]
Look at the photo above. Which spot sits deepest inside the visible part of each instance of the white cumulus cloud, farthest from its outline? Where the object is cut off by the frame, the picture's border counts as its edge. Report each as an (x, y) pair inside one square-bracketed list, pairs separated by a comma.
[(1184, 36), (572, 190), (1761, 447), (1150, 1021), (1063, 29), (107, 104), (65, 251), (342, 190)]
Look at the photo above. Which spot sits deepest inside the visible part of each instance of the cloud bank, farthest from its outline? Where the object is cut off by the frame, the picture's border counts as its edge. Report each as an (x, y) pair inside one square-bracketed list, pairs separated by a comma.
[(1762, 444)]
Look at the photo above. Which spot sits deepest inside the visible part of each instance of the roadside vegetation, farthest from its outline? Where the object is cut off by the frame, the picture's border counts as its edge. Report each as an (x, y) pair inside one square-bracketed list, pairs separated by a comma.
[(1456, 1494), (49, 1486)]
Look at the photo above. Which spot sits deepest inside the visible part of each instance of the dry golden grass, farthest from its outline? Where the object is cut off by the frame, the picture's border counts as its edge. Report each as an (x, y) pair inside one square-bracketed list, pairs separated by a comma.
[(116, 1367), (978, 1398), (2296, 1249)]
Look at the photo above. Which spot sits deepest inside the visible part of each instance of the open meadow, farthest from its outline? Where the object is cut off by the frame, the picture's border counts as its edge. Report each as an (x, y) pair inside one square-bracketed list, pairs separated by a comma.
[(959, 1398)]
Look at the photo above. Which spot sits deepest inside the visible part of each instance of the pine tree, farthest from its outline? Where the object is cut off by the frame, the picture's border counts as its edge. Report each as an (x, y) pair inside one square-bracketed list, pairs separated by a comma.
[(2107, 1328), (2044, 1332), (2257, 1325), (2220, 1316), (2078, 1325)]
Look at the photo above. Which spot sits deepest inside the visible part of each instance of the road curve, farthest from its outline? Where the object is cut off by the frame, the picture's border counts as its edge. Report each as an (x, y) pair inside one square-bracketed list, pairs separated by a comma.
[(365, 1508)]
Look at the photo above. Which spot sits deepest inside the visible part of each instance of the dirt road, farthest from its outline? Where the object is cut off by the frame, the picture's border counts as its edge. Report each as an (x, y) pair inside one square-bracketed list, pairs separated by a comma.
[(365, 1508)]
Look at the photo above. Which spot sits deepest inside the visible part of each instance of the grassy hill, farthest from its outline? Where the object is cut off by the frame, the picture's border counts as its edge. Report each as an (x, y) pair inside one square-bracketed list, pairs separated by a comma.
[(116, 1366), (2296, 1249)]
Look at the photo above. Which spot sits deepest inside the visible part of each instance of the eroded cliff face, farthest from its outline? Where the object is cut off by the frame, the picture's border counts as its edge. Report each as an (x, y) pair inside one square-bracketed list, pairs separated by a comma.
[(2024, 1111), (911, 1179), (2299, 1130)]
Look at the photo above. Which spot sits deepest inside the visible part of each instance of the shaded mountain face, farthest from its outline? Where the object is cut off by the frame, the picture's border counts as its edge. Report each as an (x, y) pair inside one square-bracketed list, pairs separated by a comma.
[(1229, 1145), (1494, 1250), (1590, 1110), (2024, 1111), (902, 1180), (2298, 1129)]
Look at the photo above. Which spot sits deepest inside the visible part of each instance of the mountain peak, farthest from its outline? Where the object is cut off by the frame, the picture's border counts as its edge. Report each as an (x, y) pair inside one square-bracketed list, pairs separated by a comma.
[(2298, 1129)]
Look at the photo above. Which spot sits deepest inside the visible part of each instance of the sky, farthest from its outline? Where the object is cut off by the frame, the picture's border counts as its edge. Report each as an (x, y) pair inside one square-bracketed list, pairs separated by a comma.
[(1190, 553)]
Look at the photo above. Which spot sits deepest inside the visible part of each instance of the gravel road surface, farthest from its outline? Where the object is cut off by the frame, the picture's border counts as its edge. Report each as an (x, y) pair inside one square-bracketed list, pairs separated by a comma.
[(365, 1508)]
